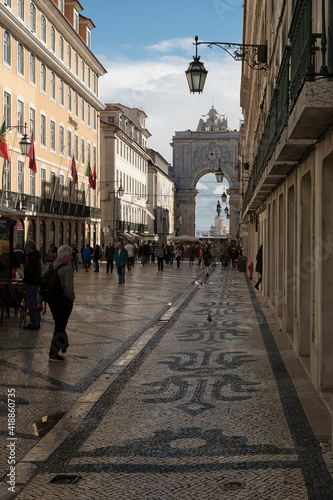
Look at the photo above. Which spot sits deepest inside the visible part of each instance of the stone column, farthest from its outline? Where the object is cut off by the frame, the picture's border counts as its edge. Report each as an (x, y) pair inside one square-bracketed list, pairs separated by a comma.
[(235, 205), (185, 207)]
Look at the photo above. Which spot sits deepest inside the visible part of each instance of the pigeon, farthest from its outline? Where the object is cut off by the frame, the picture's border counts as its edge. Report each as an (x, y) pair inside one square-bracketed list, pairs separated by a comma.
[(209, 319)]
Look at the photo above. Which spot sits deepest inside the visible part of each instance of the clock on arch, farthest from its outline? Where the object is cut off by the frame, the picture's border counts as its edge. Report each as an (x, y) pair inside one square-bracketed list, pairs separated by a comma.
[(212, 154)]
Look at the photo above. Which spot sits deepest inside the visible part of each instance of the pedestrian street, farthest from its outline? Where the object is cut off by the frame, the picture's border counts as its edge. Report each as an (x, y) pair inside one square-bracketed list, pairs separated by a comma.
[(158, 402)]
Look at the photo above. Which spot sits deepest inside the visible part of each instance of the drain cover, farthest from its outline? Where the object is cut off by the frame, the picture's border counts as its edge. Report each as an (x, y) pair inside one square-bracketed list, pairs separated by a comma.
[(64, 479), (232, 485)]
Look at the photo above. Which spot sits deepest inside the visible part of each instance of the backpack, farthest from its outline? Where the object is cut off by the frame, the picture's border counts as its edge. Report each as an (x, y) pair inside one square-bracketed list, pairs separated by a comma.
[(50, 285)]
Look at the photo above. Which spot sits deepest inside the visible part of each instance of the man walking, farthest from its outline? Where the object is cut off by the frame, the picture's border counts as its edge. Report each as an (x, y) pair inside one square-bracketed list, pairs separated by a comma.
[(130, 250), (120, 258), (62, 307), (32, 275), (160, 256), (109, 254)]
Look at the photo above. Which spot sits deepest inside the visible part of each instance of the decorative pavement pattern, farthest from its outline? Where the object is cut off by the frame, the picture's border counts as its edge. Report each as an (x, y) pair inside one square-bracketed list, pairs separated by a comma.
[(202, 410)]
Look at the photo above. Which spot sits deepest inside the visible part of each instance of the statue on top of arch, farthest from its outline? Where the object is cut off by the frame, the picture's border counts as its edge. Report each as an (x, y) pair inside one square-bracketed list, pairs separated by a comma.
[(215, 121)]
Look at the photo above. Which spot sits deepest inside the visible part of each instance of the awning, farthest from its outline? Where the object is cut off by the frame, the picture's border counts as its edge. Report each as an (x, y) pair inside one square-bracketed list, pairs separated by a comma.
[(148, 213), (126, 235)]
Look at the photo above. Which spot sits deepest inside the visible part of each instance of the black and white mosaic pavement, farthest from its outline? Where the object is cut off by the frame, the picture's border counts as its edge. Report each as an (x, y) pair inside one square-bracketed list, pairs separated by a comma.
[(203, 411)]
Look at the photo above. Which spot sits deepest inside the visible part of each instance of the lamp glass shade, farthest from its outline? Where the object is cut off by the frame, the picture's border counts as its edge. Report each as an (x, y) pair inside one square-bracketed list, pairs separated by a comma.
[(219, 175), (25, 145), (148, 203), (196, 75), (226, 210), (224, 197), (121, 191), (228, 216)]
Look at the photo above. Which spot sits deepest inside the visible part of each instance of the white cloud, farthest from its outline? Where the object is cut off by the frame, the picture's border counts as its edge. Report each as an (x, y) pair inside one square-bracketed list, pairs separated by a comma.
[(185, 44), (159, 87)]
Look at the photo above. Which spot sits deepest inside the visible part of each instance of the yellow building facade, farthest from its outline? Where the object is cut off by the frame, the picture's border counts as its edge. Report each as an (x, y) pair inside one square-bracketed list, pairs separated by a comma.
[(49, 81)]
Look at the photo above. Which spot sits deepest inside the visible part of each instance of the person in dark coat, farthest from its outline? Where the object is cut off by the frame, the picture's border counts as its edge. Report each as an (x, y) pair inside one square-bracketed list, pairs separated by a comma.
[(96, 258), (120, 258), (32, 276), (259, 267), (109, 254)]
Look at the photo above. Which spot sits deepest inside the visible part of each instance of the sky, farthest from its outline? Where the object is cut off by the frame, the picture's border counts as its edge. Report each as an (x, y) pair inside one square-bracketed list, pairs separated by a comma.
[(147, 46)]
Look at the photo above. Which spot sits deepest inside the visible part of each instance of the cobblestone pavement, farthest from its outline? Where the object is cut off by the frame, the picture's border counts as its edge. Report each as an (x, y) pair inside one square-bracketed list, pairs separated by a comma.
[(161, 404)]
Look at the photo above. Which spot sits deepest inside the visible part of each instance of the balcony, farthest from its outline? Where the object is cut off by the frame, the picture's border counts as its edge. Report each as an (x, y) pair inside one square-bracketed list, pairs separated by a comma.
[(131, 226), (34, 205), (301, 108)]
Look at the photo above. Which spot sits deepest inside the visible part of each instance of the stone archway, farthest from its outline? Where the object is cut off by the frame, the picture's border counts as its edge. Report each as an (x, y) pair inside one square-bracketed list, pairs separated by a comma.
[(201, 152)]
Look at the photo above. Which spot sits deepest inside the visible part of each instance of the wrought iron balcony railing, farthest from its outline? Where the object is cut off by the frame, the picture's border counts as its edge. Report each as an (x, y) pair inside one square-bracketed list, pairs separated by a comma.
[(34, 204)]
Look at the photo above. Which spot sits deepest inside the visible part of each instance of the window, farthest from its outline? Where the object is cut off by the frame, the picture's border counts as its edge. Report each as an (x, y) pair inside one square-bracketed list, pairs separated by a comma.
[(20, 59), (69, 57), (94, 84), (62, 6), (94, 120), (43, 183), (61, 140), (82, 151), (20, 117), (6, 48), (89, 38), (83, 193), (43, 29), (7, 108), (94, 156), (76, 65), (43, 130), (83, 70), (52, 135), (61, 48), (32, 122), (82, 110), (88, 115), (76, 148), (20, 177), (7, 184), (20, 9), (32, 72), (61, 93), (69, 99), (88, 77), (32, 17), (69, 143), (43, 77), (53, 39), (32, 183), (52, 184), (61, 186), (76, 21), (88, 153), (52, 85), (69, 189), (76, 104)]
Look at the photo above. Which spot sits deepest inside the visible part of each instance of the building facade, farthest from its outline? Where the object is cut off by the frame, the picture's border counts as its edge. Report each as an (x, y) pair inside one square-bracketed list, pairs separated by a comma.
[(124, 159), (49, 80), (161, 190), (287, 145)]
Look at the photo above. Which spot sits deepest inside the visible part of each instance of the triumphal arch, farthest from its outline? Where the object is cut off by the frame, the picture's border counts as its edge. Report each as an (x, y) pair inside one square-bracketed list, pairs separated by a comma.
[(201, 152)]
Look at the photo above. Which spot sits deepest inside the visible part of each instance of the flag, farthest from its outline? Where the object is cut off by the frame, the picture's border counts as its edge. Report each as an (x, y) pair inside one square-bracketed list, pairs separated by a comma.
[(94, 178), (32, 158), (4, 146), (89, 175), (73, 170)]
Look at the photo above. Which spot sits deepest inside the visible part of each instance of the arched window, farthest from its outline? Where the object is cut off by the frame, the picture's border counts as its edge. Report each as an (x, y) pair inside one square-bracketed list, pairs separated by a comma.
[(6, 48), (20, 9), (33, 17), (32, 69), (52, 39), (69, 57), (61, 48), (20, 59), (43, 29), (43, 77)]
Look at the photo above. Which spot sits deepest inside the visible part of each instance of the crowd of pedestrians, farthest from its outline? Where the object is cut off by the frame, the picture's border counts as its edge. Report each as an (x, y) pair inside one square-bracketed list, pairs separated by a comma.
[(67, 259)]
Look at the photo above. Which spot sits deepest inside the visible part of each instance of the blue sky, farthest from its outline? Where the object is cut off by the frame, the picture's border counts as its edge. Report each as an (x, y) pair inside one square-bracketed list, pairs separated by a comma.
[(146, 47)]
